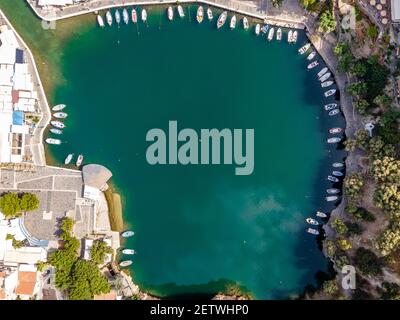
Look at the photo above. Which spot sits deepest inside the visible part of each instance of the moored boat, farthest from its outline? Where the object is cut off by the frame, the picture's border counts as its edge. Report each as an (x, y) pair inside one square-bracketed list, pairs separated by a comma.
[(271, 33), (334, 112), (144, 15), (134, 16), (79, 160), (232, 23), (58, 107), (57, 124), (68, 158), (128, 251), (200, 14), (326, 84), (53, 141), (325, 77), (331, 198), (311, 55), (294, 39), (279, 34), (335, 130), (56, 131), (117, 16), (321, 214), (312, 65), (60, 115), (334, 140), (209, 14), (337, 173), (222, 19), (330, 93), (312, 231), (170, 13), (257, 29), (100, 20), (304, 48), (333, 179), (312, 221), (109, 18), (337, 165), (127, 234), (290, 36), (330, 106), (245, 23), (125, 16), (125, 263), (322, 72), (181, 12), (332, 191)]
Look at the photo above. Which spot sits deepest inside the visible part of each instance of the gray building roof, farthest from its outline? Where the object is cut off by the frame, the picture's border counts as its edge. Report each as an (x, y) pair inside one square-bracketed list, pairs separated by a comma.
[(95, 175)]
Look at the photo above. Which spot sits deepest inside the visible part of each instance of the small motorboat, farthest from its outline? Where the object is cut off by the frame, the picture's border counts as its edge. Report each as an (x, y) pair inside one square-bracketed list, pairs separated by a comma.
[(109, 18), (68, 158), (332, 190), (127, 234), (304, 48), (117, 16), (53, 141), (330, 93), (325, 77), (290, 36), (337, 173), (200, 14), (60, 115), (128, 251), (335, 130), (313, 231), (334, 112), (294, 38), (337, 165), (56, 131), (265, 28), (271, 34), (125, 263), (322, 72), (134, 16), (58, 107), (326, 84), (257, 29), (57, 124), (181, 12), (321, 214), (170, 13), (279, 34), (79, 160), (330, 106), (333, 179), (232, 23), (312, 221), (125, 16), (311, 55), (334, 140), (312, 64), (245, 23), (209, 14), (221, 19), (144, 15), (100, 21), (331, 198)]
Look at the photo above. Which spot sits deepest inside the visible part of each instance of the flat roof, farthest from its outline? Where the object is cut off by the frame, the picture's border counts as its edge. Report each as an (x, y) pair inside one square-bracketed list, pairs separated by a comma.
[(396, 10)]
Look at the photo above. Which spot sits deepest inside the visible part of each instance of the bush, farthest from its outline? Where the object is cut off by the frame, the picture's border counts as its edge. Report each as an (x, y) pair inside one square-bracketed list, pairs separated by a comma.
[(388, 126), (330, 288), (330, 248), (377, 148), (390, 291), (29, 202), (327, 22), (11, 204), (99, 251), (344, 244), (361, 105), (352, 186), (386, 170), (353, 228), (367, 262), (339, 226), (389, 240)]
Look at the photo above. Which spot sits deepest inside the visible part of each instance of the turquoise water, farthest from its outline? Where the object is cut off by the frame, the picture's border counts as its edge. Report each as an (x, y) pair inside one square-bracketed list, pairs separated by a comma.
[(201, 227)]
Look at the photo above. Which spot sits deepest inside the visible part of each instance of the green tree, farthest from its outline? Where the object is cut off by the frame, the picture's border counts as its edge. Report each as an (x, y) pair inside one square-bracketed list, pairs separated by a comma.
[(99, 251), (387, 197), (387, 170), (361, 105), (389, 240), (388, 126), (29, 202), (362, 139), (367, 262), (330, 288), (10, 204), (350, 145), (383, 101), (353, 228), (327, 22), (339, 226), (377, 148), (372, 32), (359, 69), (353, 185), (344, 244), (390, 291), (357, 89), (360, 213)]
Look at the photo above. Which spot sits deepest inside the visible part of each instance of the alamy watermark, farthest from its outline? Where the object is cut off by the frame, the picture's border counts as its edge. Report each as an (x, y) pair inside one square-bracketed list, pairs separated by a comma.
[(349, 277), (186, 147)]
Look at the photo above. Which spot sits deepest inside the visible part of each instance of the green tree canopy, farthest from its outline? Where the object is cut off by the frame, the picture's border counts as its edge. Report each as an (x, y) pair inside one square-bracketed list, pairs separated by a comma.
[(98, 251)]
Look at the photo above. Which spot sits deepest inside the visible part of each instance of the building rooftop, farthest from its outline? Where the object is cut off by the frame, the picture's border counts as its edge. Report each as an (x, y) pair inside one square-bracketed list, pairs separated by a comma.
[(95, 175)]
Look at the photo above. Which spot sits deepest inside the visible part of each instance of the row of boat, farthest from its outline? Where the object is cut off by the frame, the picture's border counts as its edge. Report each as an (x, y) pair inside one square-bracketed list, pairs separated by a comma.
[(57, 125), (69, 158), (125, 17), (127, 263)]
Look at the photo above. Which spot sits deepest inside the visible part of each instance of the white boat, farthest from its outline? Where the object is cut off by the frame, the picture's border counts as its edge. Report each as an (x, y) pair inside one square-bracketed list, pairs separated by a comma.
[(200, 14), (209, 14), (334, 112), (265, 28), (125, 263), (127, 234), (117, 16), (109, 18), (245, 23), (271, 34), (144, 15), (58, 107), (337, 173), (330, 92), (100, 20), (332, 191), (125, 16), (232, 24), (170, 13), (53, 141), (330, 106), (294, 39), (334, 140), (68, 158), (335, 130), (322, 72), (312, 221), (257, 29), (79, 160), (311, 55), (57, 124), (333, 179), (325, 77), (56, 131), (313, 231), (290, 36), (222, 19), (181, 12), (304, 48), (312, 65), (337, 165), (331, 198), (279, 34), (321, 214), (128, 251), (326, 84), (60, 115), (134, 16)]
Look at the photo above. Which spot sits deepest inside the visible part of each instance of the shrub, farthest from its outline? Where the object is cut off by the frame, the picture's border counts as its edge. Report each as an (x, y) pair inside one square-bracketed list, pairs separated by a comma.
[(367, 262), (330, 287), (353, 228), (344, 244), (99, 251), (389, 240), (352, 186), (339, 226), (390, 291)]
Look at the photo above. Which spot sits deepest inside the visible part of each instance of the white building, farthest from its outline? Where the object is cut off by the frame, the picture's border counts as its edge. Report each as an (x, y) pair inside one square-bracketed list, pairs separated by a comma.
[(395, 7)]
